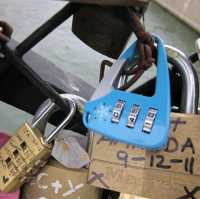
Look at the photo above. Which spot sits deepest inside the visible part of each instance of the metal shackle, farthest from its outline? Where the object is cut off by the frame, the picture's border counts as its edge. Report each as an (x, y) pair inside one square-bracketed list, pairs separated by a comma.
[(190, 84), (46, 110)]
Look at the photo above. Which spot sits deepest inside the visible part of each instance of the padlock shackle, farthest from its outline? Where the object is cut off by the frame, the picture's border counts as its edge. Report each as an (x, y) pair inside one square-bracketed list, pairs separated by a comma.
[(64, 123), (80, 101), (76, 103), (190, 85), (49, 106), (42, 115), (46, 110)]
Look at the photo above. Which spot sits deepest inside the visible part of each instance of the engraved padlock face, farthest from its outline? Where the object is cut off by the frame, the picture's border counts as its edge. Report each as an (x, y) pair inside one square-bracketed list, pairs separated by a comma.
[(26, 152), (20, 156)]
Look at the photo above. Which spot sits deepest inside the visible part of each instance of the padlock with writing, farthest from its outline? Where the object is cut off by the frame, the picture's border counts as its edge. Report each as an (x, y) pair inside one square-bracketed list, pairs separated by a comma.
[(28, 150)]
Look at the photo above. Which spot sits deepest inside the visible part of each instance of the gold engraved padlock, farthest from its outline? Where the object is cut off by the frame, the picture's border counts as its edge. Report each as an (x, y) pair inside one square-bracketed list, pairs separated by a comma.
[(27, 151)]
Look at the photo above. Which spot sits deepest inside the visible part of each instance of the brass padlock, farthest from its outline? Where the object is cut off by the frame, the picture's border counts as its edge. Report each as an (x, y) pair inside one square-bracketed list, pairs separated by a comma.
[(27, 151)]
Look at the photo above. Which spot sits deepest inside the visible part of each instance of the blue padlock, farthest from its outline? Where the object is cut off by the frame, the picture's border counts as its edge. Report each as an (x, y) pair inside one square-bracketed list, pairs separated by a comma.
[(132, 118)]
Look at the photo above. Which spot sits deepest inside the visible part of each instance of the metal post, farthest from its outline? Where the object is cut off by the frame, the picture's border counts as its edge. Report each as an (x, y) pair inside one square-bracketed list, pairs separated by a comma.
[(34, 78)]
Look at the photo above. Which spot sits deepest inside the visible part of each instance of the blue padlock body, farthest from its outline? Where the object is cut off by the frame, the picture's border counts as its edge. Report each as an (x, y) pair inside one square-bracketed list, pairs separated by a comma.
[(98, 113)]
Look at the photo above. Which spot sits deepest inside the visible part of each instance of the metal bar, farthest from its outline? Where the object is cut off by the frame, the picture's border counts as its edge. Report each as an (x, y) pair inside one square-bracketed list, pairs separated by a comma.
[(34, 78), (65, 122), (45, 29)]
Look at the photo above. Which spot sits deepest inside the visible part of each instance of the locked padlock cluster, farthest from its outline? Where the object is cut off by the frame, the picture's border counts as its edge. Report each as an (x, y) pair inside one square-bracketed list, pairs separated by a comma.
[(27, 151)]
